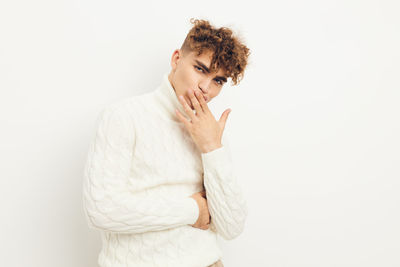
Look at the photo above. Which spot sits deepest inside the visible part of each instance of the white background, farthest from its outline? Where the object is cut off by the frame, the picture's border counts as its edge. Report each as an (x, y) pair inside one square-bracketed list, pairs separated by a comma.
[(314, 125)]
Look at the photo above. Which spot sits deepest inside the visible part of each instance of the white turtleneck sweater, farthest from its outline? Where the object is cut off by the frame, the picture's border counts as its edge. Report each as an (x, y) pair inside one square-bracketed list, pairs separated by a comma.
[(141, 170)]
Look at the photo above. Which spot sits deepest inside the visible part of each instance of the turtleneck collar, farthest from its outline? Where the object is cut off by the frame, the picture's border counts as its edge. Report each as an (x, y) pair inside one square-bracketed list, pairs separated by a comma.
[(165, 96)]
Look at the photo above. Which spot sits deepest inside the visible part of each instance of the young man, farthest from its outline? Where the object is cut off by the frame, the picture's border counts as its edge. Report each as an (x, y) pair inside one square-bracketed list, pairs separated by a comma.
[(159, 180)]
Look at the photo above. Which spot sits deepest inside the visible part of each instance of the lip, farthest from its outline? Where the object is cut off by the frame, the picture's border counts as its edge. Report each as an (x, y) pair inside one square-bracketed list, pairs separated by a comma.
[(204, 97)]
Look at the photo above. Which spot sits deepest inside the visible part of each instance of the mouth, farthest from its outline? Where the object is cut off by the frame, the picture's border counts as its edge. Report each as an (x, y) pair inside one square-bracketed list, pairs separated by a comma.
[(204, 97)]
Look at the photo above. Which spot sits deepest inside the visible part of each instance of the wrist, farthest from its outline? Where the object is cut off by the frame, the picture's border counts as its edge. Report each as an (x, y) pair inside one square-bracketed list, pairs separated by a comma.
[(211, 147)]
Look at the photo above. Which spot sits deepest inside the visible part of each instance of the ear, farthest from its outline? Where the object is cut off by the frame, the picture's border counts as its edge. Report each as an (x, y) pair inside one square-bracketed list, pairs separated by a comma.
[(176, 55)]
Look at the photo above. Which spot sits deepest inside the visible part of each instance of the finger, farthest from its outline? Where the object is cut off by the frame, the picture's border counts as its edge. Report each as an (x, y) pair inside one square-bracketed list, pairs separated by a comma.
[(182, 118), (195, 102), (224, 118), (203, 103), (205, 227), (186, 107)]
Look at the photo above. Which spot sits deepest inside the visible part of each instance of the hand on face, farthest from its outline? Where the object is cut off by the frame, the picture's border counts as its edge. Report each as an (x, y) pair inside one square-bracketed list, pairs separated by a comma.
[(205, 131)]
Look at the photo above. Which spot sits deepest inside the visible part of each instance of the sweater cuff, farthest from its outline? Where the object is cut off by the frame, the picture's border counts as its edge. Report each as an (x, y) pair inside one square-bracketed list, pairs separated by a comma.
[(192, 210), (216, 158)]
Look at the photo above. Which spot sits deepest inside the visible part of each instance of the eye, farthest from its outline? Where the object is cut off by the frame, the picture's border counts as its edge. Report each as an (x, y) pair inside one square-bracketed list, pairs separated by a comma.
[(199, 68), (219, 82)]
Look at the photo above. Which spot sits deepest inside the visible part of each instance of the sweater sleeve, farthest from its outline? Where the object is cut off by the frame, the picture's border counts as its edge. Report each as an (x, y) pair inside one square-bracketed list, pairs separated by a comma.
[(225, 199), (107, 202)]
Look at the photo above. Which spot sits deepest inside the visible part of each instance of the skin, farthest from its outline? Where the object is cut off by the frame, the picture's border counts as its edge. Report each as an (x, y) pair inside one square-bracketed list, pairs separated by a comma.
[(203, 221), (195, 86)]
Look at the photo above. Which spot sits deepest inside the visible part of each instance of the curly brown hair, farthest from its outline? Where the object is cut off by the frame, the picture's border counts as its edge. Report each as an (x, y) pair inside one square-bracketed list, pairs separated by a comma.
[(229, 52)]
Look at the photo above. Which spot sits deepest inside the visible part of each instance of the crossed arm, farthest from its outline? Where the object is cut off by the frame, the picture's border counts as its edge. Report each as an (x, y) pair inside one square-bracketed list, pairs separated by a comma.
[(110, 206)]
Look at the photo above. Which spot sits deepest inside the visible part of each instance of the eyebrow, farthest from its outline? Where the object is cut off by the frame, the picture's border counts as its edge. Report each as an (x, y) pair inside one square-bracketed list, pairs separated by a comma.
[(205, 67)]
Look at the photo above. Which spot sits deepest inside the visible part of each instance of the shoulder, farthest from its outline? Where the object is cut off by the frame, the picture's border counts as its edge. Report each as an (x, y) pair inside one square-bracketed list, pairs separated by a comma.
[(125, 112), (121, 108), (130, 104), (115, 113)]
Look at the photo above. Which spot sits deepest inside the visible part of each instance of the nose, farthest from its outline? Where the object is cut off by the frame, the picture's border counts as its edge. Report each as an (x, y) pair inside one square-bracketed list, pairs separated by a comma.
[(203, 86)]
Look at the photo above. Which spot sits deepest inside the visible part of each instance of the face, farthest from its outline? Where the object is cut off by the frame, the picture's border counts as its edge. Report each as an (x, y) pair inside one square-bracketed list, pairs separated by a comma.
[(193, 72)]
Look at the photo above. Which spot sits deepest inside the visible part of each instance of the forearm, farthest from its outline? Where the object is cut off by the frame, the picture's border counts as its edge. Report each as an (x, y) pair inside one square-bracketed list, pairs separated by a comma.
[(227, 205)]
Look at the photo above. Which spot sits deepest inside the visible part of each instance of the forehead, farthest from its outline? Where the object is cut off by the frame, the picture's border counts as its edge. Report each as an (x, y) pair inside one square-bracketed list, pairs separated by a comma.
[(205, 57)]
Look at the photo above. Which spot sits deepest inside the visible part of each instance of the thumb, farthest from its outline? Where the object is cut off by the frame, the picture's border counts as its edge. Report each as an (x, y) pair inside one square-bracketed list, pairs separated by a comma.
[(222, 120)]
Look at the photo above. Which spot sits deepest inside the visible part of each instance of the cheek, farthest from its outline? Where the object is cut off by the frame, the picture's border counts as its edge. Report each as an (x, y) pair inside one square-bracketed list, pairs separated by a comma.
[(188, 78), (214, 93), (182, 82), (189, 83)]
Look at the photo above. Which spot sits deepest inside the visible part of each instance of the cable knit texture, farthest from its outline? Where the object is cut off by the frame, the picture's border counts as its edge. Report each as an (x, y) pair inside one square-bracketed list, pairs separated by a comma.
[(141, 170)]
